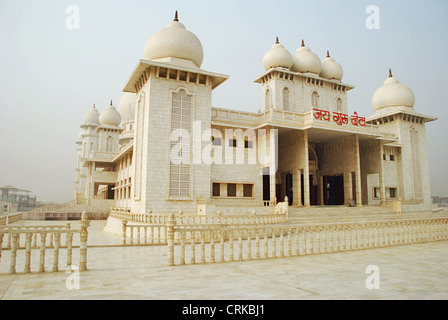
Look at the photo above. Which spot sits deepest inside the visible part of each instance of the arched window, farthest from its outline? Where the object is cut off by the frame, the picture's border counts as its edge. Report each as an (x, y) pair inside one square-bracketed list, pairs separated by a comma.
[(286, 99), (339, 105), (315, 100), (267, 99), (109, 144)]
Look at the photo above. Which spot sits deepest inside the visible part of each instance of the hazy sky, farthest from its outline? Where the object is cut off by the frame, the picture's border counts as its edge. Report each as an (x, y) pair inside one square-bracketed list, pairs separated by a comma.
[(51, 75)]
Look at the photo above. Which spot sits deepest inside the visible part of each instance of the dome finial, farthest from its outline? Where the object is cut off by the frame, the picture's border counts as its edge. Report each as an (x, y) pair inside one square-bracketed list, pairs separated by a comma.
[(94, 105), (303, 43), (276, 40), (176, 17), (110, 102), (390, 73), (328, 54)]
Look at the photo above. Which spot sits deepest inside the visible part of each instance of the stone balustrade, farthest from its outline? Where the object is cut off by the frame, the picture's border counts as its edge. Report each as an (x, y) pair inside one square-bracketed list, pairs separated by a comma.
[(143, 234), (44, 238), (193, 244), (10, 218), (56, 207), (181, 218)]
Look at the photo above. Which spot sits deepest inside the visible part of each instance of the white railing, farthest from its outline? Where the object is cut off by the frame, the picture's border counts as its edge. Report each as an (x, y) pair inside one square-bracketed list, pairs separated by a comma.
[(149, 229), (56, 207), (44, 238), (10, 218), (279, 216), (192, 244)]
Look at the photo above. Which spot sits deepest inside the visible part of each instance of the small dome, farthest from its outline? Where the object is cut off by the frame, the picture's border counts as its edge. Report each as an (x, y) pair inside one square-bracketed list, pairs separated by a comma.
[(277, 56), (393, 94), (91, 118), (110, 116), (174, 41), (306, 61), (331, 69), (126, 106)]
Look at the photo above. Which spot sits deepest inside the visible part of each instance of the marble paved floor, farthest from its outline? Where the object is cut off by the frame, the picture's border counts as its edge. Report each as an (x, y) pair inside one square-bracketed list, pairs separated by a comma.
[(418, 271)]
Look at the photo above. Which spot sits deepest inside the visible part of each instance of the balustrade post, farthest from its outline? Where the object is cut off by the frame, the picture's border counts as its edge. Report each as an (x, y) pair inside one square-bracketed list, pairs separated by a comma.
[(349, 237), (282, 244), (1, 245), (69, 241), (257, 244), (123, 231), (355, 236), (240, 245), (171, 223), (266, 244), (27, 268), (182, 247), (212, 246), (12, 264), (330, 238), (83, 245), (304, 240), (336, 239), (43, 236), (445, 229), (318, 240), (249, 244), (221, 242), (193, 247), (297, 243), (57, 240), (289, 242), (202, 238), (34, 241), (401, 230), (381, 235), (231, 245)]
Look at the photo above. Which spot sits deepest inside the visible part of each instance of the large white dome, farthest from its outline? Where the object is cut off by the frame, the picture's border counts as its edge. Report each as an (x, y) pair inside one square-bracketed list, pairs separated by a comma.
[(306, 61), (393, 94), (331, 69), (174, 41), (91, 118), (277, 56), (126, 106), (110, 116)]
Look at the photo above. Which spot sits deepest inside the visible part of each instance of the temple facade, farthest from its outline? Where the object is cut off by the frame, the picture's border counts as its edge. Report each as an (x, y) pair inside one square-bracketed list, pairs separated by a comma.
[(166, 148)]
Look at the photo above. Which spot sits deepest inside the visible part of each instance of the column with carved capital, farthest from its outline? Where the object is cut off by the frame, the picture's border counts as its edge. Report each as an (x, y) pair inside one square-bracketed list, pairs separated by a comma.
[(358, 173), (83, 245), (306, 171)]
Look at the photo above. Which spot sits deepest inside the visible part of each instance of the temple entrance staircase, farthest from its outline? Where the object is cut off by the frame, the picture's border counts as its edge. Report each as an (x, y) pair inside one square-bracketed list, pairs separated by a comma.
[(344, 214)]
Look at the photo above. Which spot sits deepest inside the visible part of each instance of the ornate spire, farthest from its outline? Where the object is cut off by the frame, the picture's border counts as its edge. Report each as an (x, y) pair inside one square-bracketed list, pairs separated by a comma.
[(390, 73), (110, 102), (303, 43), (94, 105), (328, 54), (276, 40), (176, 17)]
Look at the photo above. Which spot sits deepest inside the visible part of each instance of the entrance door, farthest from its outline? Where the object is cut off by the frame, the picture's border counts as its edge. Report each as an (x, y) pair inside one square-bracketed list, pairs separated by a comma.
[(333, 190), (289, 186), (266, 185)]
